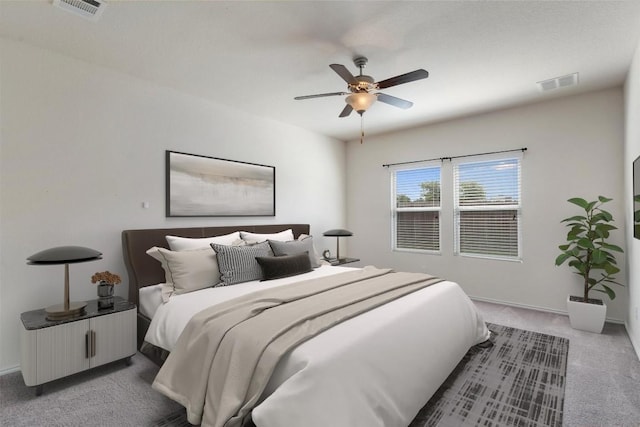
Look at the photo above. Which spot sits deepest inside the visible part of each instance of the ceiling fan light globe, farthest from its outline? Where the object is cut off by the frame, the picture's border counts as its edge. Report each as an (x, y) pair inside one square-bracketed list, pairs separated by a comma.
[(361, 101)]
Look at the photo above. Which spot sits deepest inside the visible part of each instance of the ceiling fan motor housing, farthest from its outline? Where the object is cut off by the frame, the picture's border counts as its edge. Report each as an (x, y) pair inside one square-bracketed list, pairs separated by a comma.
[(364, 84)]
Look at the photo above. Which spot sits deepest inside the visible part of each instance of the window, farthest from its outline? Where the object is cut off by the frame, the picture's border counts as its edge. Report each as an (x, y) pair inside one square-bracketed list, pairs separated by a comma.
[(487, 207), (416, 208)]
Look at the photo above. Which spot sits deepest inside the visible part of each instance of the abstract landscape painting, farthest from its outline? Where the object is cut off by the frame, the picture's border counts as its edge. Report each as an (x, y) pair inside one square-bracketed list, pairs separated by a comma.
[(208, 186)]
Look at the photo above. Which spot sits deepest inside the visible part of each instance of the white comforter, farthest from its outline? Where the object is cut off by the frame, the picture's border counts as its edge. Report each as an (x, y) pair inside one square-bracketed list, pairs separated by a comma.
[(377, 369)]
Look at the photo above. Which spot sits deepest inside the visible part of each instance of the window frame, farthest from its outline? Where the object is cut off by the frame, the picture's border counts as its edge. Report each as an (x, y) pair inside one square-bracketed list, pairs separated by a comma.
[(458, 209), (395, 210)]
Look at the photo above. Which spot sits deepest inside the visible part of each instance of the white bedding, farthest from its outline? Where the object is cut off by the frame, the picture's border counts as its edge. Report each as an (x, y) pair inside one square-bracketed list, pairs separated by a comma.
[(149, 299), (377, 369)]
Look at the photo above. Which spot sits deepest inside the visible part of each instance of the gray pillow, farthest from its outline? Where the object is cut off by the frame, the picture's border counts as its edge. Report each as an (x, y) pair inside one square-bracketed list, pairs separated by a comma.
[(275, 267), (238, 264), (295, 247)]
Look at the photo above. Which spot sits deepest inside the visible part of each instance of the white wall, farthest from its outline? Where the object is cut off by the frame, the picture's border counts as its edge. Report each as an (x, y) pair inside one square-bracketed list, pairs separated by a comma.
[(575, 148), (83, 146), (631, 152)]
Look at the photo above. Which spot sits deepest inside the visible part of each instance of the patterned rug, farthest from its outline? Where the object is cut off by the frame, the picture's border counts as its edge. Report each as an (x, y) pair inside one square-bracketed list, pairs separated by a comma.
[(519, 381)]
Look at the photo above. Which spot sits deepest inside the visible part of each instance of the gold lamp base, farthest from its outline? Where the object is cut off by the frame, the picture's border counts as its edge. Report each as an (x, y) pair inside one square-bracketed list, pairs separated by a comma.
[(59, 312)]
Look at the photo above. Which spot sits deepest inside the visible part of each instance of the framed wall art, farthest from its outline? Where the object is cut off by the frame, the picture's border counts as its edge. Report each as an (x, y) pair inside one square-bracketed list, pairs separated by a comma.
[(208, 186), (636, 198)]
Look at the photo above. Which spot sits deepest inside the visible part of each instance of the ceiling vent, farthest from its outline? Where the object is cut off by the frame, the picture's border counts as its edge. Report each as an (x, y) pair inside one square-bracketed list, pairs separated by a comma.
[(558, 82), (89, 9)]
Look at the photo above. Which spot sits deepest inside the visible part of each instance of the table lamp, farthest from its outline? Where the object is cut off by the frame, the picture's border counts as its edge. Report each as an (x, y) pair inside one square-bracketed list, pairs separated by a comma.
[(64, 255), (337, 233)]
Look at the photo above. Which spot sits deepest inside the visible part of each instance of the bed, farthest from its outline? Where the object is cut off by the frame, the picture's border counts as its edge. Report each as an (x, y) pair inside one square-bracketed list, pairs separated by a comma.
[(376, 368)]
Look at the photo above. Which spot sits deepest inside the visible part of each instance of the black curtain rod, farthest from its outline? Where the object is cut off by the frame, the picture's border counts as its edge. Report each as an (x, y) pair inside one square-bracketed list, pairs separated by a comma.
[(442, 159)]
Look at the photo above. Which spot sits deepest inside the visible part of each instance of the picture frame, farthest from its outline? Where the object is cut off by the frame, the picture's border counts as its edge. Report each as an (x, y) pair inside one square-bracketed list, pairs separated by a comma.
[(198, 185), (636, 198)]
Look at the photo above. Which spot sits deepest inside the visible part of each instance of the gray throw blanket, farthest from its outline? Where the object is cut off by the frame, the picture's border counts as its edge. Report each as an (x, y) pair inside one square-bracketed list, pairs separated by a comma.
[(225, 356)]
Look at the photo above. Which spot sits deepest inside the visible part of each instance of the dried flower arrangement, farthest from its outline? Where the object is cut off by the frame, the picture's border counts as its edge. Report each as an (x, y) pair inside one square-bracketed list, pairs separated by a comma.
[(106, 277)]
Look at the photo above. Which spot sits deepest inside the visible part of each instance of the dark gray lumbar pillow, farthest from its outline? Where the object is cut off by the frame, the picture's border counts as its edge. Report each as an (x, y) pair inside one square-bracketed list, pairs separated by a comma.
[(284, 265)]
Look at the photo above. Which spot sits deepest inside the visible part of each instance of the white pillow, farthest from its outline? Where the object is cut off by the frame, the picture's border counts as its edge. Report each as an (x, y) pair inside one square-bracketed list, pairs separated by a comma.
[(185, 243), (251, 238), (186, 271)]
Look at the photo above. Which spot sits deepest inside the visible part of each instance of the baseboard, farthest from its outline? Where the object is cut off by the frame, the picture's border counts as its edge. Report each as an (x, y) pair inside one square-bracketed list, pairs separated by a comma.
[(9, 370), (634, 344), (534, 307)]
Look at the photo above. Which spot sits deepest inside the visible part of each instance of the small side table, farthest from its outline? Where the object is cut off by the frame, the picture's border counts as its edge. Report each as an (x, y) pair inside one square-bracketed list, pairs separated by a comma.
[(52, 349)]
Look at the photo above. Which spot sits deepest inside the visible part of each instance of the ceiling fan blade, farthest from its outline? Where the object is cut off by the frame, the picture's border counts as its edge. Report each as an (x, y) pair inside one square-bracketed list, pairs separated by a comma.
[(320, 95), (342, 71), (392, 100), (403, 78), (347, 110)]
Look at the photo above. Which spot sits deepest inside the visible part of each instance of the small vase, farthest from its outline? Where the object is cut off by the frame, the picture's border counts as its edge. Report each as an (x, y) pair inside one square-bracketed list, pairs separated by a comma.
[(105, 294)]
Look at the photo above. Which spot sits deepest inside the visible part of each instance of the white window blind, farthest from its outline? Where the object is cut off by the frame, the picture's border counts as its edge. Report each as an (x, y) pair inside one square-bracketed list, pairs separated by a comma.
[(416, 208), (487, 206)]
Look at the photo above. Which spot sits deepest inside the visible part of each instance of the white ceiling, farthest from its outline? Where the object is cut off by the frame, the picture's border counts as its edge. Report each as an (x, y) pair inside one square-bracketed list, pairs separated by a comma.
[(257, 56)]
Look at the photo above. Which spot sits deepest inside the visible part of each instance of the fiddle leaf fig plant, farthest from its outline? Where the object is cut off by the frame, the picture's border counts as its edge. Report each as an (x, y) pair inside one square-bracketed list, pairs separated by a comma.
[(587, 250)]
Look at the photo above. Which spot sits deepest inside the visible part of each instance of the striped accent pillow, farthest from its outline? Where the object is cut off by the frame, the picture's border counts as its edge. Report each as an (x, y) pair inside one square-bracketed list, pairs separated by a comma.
[(238, 264)]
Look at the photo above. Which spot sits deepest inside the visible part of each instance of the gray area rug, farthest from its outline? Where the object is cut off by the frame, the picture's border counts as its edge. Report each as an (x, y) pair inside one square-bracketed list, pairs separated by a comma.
[(519, 381)]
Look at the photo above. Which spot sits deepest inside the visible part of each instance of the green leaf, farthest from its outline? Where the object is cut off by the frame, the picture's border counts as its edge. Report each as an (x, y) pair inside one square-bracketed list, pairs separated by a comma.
[(612, 247), (564, 247), (590, 206), (610, 280), (607, 216), (575, 218), (600, 218), (609, 291), (611, 269), (580, 202), (562, 258), (585, 243), (605, 227), (578, 265), (604, 199), (598, 257)]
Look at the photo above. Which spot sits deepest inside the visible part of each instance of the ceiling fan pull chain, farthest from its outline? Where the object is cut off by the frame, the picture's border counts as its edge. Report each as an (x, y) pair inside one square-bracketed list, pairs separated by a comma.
[(361, 128)]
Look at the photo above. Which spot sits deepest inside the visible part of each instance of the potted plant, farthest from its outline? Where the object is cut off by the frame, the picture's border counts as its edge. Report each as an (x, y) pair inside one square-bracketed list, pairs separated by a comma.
[(593, 260)]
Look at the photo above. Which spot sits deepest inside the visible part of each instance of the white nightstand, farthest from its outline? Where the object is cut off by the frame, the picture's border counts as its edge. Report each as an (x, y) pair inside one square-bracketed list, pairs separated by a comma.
[(54, 349)]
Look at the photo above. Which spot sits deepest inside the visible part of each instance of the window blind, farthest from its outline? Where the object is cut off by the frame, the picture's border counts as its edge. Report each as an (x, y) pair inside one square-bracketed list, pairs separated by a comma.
[(416, 208), (487, 206)]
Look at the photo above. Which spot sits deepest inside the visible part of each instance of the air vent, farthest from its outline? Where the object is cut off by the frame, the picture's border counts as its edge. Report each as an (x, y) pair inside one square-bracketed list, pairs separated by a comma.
[(90, 9), (558, 82)]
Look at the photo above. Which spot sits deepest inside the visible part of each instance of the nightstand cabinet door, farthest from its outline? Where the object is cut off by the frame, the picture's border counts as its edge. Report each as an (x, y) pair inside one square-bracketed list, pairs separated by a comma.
[(65, 351), (114, 337), (55, 349)]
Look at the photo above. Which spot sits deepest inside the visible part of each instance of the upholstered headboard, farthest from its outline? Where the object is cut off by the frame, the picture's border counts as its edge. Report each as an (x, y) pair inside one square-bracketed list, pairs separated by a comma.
[(144, 270)]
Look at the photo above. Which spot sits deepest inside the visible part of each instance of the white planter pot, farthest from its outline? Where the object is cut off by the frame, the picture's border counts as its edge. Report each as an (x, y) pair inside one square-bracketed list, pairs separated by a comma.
[(585, 316)]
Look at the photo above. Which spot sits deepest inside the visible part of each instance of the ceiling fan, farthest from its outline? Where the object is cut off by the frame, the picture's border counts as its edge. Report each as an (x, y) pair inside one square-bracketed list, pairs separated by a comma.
[(362, 88)]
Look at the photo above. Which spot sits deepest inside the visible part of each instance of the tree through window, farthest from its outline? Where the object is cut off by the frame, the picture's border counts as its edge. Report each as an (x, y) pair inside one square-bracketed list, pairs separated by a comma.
[(416, 208)]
